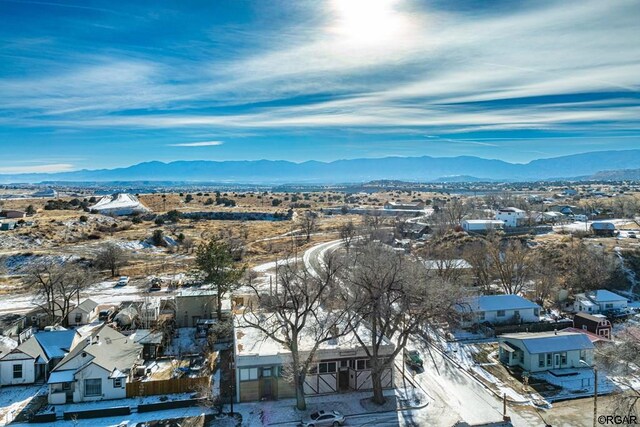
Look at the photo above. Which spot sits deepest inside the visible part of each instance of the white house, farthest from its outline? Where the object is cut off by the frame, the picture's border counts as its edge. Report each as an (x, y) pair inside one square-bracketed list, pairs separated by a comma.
[(543, 351), (600, 301), (482, 225), (340, 365), (511, 217), (83, 313), (497, 309), (33, 359), (98, 367)]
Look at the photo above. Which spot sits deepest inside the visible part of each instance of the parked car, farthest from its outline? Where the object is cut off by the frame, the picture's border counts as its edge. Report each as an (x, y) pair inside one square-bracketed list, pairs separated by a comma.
[(105, 315), (156, 284), (123, 281), (413, 359), (324, 418)]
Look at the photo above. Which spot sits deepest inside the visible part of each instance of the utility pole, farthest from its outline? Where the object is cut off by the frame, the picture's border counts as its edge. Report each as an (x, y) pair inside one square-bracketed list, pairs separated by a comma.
[(595, 396)]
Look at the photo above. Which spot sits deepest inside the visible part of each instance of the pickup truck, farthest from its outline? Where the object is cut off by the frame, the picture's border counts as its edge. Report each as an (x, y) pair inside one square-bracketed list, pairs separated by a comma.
[(413, 359)]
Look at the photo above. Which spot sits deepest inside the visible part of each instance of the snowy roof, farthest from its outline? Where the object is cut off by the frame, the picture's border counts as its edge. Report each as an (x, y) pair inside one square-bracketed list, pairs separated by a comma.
[(483, 221), (602, 295), (86, 306), (511, 209), (603, 225), (146, 336), (251, 341), (122, 201), (592, 337), (544, 342), (57, 377), (496, 302)]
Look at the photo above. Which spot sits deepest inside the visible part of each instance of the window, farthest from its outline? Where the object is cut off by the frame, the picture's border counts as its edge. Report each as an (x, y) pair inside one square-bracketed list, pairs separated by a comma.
[(66, 386), (78, 317), (541, 361), (248, 374), (563, 358), (481, 315), (17, 371), (266, 372), (536, 312), (326, 367), (117, 383), (516, 313), (344, 363), (500, 313), (360, 364), (549, 361), (93, 387)]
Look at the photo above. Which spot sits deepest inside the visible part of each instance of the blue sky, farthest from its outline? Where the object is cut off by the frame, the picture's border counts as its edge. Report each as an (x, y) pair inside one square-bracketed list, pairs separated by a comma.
[(93, 84)]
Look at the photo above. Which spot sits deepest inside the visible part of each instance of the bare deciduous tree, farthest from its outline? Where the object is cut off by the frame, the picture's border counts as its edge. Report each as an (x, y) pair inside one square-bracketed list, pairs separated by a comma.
[(57, 285), (298, 311), (308, 222), (510, 263), (347, 234), (395, 298), (622, 360), (111, 257)]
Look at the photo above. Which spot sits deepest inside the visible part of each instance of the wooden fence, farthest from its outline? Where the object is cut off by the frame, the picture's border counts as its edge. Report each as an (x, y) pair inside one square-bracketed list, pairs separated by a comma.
[(176, 385)]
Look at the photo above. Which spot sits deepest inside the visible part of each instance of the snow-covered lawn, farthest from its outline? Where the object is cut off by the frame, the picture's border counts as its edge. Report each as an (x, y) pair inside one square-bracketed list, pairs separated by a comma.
[(574, 383), (14, 398), (184, 343), (131, 402)]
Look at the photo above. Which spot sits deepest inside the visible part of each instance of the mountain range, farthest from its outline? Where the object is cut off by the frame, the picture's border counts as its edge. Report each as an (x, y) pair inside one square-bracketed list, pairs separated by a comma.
[(421, 169)]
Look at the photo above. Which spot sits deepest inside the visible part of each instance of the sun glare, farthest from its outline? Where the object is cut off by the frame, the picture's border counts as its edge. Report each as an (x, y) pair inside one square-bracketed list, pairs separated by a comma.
[(366, 21)]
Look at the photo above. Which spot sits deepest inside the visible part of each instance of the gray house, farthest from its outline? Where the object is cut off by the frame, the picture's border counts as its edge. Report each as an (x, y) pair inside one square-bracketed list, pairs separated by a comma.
[(545, 351)]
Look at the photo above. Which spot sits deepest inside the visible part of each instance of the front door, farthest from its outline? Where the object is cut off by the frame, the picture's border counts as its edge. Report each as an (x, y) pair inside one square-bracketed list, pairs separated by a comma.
[(343, 380), (267, 389), (556, 360)]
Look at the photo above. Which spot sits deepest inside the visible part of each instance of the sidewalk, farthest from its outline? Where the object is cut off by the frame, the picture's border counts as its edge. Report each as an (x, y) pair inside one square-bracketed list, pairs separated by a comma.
[(283, 412)]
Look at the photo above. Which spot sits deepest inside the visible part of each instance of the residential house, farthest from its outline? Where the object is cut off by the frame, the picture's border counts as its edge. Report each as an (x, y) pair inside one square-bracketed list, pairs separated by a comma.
[(482, 225), (98, 367), (340, 365), (13, 214), (597, 324), (600, 301), (153, 342), (603, 228), (32, 360), (544, 351), (497, 309), (511, 217), (195, 304), (83, 313)]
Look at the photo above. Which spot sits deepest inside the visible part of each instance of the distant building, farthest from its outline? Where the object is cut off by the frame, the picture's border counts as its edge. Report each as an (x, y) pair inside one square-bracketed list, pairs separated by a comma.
[(603, 228), (195, 304), (544, 351), (46, 192), (595, 323), (511, 217), (600, 301), (13, 214), (482, 225), (120, 204), (83, 313), (497, 309), (411, 206)]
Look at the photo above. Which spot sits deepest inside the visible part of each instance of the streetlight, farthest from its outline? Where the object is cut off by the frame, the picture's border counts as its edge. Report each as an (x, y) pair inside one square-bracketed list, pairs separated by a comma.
[(595, 391)]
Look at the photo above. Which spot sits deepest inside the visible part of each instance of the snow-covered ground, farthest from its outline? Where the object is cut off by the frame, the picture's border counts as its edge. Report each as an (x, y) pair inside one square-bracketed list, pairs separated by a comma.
[(185, 342), (14, 399), (578, 382)]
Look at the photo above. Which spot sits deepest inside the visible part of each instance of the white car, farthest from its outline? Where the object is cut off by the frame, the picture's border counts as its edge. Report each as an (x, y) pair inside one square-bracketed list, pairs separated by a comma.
[(324, 418), (123, 281)]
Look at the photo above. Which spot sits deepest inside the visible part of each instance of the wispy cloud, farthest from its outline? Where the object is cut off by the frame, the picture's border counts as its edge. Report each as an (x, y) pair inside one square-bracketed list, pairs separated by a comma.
[(48, 168), (197, 144)]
